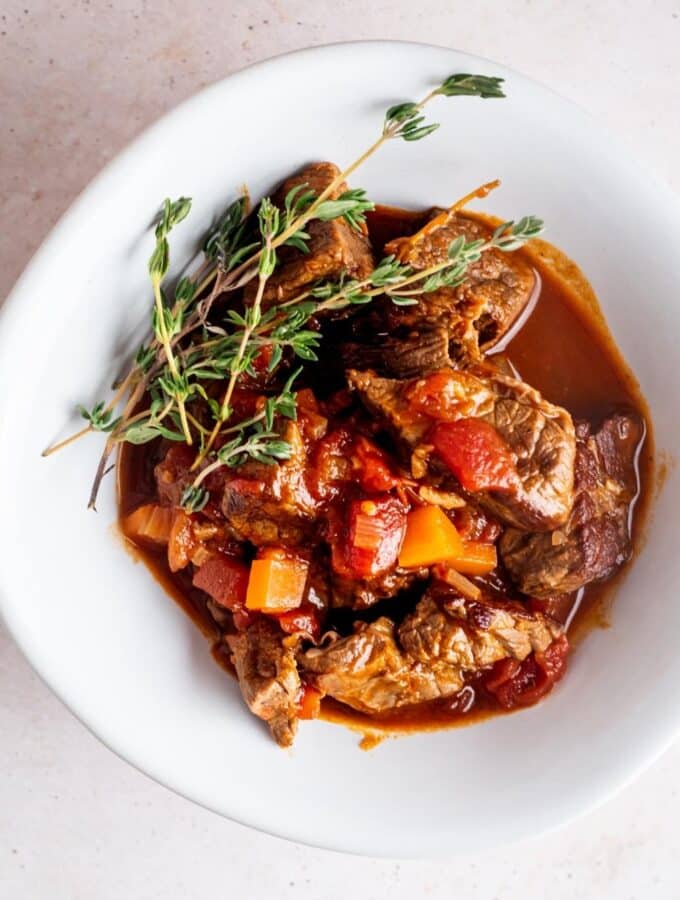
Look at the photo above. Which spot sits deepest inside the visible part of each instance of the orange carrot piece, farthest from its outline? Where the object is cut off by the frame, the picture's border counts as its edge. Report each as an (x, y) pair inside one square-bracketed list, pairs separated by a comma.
[(477, 558), (431, 537), (276, 583)]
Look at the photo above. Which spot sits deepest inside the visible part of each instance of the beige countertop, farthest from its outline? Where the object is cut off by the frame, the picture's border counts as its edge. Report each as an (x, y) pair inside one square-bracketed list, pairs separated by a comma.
[(79, 79)]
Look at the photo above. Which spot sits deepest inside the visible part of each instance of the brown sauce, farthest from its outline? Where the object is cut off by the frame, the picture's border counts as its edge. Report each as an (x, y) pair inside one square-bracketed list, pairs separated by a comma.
[(565, 350)]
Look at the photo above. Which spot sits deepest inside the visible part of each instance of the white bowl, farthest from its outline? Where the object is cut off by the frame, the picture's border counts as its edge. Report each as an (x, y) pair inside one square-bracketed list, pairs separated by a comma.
[(125, 659)]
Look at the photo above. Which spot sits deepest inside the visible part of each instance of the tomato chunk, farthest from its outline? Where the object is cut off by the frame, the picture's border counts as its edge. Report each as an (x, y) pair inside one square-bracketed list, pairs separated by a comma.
[(309, 704), (369, 541), (226, 580), (376, 532), (523, 684), (444, 396), (303, 620), (553, 660), (476, 454)]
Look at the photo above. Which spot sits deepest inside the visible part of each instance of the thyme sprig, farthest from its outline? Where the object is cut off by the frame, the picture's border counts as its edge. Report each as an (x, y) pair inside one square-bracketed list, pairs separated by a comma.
[(269, 218), (254, 438), (167, 321), (189, 348), (403, 284)]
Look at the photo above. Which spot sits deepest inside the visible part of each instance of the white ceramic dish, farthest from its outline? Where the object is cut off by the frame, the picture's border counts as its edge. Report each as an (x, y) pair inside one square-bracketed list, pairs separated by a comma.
[(128, 663)]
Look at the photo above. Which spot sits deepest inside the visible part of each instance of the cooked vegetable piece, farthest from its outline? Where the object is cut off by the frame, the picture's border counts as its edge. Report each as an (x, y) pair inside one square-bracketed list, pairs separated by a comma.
[(517, 683), (446, 396), (309, 704), (476, 454), (225, 579), (302, 620), (150, 523), (476, 558), (431, 537), (449, 575), (375, 532), (182, 543), (276, 583)]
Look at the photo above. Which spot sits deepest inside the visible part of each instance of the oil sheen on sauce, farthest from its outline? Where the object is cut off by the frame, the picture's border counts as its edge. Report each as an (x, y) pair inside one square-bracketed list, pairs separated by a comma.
[(565, 350)]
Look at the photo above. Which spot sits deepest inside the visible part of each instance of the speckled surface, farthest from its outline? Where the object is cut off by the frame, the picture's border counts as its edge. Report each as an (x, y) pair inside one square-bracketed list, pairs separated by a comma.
[(79, 79)]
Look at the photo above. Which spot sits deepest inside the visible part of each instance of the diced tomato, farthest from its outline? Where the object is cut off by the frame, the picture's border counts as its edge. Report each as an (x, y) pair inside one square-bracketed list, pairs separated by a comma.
[(523, 684), (226, 580), (309, 703), (476, 454), (553, 660), (371, 538), (303, 620), (444, 396), (503, 671), (373, 467)]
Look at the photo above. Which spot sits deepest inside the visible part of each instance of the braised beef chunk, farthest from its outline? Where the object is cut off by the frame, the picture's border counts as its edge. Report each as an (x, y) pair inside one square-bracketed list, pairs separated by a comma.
[(334, 246), (538, 435), (472, 634), (429, 656), (415, 354), (479, 312), (596, 539), (369, 672), (387, 399), (271, 504), (264, 659)]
